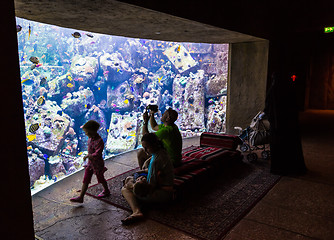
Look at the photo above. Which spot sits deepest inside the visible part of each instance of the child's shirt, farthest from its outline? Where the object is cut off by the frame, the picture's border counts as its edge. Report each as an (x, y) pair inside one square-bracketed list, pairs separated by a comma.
[(95, 149)]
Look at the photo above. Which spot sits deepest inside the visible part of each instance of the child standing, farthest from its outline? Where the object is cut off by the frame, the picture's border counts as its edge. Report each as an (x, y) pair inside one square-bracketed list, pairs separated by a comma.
[(95, 161)]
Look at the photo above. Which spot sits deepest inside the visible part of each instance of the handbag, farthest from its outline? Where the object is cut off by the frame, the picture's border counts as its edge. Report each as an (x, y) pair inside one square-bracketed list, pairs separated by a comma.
[(259, 138)]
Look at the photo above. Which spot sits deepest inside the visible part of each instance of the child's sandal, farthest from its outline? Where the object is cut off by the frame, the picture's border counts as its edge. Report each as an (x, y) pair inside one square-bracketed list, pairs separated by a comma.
[(77, 199), (104, 194)]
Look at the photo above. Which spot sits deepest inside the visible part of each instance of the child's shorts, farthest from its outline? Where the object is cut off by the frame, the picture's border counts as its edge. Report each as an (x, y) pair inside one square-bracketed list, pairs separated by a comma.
[(89, 174)]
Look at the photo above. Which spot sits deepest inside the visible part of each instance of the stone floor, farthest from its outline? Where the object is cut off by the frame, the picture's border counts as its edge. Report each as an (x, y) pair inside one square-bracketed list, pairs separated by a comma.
[(296, 208)]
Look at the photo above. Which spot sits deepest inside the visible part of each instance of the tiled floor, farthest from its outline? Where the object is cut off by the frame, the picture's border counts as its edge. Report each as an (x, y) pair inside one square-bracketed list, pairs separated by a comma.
[(299, 207), (296, 208)]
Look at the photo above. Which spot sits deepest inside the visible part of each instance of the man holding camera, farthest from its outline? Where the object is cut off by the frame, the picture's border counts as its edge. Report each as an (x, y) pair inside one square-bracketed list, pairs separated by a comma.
[(167, 132)]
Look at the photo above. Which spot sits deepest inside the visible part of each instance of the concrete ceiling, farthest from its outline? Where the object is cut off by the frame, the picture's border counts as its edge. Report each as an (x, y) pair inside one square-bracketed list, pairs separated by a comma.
[(122, 19)]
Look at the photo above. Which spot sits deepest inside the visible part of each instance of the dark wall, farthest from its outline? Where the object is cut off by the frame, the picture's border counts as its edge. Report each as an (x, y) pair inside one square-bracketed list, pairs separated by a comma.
[(16, 210), (320, 87)]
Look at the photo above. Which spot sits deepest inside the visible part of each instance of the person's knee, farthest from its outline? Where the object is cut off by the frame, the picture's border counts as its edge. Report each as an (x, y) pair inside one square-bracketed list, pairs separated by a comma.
[(141, 153), (142, 156), (124, 190)]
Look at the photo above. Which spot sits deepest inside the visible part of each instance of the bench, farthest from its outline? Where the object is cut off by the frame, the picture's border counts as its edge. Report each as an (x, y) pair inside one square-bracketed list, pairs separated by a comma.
[(198, 162)]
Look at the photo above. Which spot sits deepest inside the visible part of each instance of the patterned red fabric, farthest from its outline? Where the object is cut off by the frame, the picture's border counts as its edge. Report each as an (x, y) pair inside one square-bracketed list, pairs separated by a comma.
[(188, 164), (198, 161), (219, 140), (209, 154)]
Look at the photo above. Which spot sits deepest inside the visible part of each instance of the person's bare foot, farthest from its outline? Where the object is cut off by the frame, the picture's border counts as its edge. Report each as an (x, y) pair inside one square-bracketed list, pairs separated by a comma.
[(132, 219), (77, 199)]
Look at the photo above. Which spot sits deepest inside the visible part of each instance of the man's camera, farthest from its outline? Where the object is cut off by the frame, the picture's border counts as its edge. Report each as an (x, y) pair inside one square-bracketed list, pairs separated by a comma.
[(153, 108)]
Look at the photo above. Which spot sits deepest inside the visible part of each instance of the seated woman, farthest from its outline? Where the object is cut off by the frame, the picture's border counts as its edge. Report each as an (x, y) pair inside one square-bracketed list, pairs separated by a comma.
[(160, 178)]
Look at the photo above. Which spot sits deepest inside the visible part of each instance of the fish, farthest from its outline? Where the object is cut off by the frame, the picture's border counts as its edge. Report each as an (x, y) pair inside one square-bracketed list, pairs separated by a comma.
[(45, 156), (33, 127), (27, 82), (69, 78), (105, 72), (132, 134), (70, 85), (80, 153), (48, 46), (129, 137), (40, 101), (34, 60), (18, 28), (43, 56), (179, 48), (32, 67), (80, 79), (126, 101), (29, 148), (31, 137), (32, 50), (88, 106), (29, 32), (89, 35), (76, 35)]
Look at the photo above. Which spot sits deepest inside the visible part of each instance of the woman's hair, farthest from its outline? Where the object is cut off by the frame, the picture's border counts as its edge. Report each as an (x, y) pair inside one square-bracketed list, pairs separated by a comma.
[(91, 125), (152, 140)]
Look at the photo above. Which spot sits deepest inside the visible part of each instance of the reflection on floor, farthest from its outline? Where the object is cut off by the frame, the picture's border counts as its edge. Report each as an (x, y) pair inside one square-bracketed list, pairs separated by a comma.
[(298, 207)]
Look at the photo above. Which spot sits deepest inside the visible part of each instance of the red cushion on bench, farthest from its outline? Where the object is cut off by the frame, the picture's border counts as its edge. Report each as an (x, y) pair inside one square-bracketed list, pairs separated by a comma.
[(219, 140), (210, 154), (188, 164)]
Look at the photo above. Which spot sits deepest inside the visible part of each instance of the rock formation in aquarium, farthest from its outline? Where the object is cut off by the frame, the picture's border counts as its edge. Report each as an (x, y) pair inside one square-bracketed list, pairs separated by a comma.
[(122, 132)]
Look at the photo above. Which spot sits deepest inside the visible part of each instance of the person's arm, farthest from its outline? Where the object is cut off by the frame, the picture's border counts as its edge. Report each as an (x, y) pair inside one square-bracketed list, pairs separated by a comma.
[(98, 151), (145, 127), (153, 123)]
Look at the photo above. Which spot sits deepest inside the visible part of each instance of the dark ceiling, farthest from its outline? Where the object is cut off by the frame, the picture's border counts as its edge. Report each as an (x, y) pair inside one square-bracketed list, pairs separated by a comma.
[(261, 18), (122, 19)]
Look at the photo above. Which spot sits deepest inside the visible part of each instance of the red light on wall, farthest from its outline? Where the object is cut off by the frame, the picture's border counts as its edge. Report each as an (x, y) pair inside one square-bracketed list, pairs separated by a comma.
[(293, 77)]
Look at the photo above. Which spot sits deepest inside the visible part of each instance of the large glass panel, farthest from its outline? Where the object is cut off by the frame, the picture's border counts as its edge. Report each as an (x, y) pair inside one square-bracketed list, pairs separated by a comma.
[(70, 76)]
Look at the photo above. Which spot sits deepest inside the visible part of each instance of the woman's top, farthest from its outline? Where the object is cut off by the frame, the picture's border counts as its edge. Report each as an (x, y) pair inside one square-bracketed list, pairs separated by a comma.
[(161, 170)]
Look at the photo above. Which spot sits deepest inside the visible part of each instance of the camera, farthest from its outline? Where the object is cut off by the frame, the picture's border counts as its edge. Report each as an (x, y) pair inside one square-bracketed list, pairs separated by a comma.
[(153, 108)]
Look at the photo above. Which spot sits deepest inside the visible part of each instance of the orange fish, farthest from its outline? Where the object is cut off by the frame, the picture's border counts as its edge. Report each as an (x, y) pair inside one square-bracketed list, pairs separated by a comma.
[(48, 46), (43, 56), (31, 50)]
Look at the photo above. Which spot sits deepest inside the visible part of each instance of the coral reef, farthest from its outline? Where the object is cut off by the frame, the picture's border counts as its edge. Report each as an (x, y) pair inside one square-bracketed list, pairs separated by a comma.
[(122, 132)]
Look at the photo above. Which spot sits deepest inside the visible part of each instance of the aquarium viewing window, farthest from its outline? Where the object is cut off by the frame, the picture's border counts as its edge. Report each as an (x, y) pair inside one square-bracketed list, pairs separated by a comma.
[(71, 76)]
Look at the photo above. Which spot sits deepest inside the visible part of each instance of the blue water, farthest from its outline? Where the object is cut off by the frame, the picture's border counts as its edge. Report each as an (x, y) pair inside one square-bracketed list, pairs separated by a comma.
[(68, 78)]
